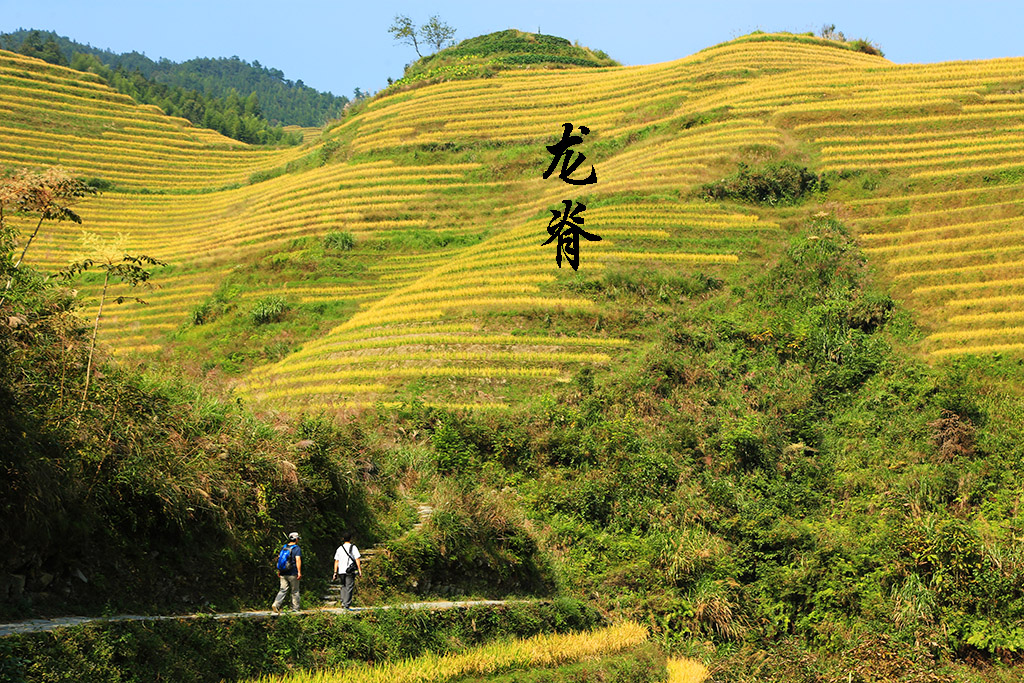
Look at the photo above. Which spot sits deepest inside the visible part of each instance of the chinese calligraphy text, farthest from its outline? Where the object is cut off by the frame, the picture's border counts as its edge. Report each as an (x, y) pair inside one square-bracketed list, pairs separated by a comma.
[(560, 150), (566, 226)]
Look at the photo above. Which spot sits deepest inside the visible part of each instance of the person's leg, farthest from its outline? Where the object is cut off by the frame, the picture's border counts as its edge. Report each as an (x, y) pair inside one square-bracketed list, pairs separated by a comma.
[(294, 582), (348, 582), (279, 600)]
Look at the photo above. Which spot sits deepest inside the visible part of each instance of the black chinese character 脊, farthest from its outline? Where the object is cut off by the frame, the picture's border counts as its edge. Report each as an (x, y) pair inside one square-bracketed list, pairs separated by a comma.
[(567, 227)]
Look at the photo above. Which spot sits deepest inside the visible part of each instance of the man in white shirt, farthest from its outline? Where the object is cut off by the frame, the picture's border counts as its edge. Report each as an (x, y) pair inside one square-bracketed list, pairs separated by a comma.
[(347, 565)]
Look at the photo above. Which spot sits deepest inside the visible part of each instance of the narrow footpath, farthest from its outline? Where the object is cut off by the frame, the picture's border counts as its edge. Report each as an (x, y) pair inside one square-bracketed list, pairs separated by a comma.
[(37, 625), (424, 512)]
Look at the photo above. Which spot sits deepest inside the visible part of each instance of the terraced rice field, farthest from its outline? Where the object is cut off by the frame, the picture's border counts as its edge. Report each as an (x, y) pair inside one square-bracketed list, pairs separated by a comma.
[(524, 107), (947, 231), (57, 116), (950, 237), (419, 315), (430, 328)]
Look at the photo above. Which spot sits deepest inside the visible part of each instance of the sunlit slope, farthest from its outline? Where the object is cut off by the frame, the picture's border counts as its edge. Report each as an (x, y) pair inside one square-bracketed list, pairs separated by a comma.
[(946, 141), (458, 320), (203, 236), (469, 297), (50, 115), (940, 209), (522, 107)]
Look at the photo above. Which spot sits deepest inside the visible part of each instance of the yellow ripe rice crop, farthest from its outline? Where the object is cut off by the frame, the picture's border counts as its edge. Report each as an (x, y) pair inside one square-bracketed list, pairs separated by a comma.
[(914, 250), (429, 292), (925, 219), (446, 355), (969, 286), (453, 282), (385, 330), (955, 160), (949, 229), (947, 145), (996, 317), (391, 404), (634, 233), (976, 270), (452, 371), (963, 196), (957, 335), (545, 650), (142, 348), (683, 670), (980, 349), (397, 315), (311, 389), (374, 314), (976, 169), (988, 301), (333, 345), (964, 120), (654, 256)]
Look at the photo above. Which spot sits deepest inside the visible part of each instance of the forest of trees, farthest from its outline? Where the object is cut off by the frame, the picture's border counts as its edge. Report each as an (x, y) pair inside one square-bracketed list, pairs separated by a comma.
[(232, 115), (245, 101)]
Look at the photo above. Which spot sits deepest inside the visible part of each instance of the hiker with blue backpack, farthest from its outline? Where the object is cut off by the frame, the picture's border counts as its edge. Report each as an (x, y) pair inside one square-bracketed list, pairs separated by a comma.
[(289, 571)]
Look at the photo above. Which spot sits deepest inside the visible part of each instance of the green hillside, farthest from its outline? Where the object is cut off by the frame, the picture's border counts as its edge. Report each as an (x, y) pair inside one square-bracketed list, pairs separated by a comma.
[(484, 56), (775, 415)]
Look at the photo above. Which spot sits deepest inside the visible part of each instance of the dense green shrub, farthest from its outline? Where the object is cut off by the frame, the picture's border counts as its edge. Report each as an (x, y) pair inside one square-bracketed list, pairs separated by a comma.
[(201, 314), (773, 183), (483, 56), (339, 241), (268, 309), (160, 477), (453, 454), (866, 46), (474, 543), (521, 43)]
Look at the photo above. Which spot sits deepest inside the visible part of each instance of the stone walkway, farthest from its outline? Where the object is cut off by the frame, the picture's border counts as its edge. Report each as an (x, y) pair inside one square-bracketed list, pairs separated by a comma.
[(37, 625), (423, 511)]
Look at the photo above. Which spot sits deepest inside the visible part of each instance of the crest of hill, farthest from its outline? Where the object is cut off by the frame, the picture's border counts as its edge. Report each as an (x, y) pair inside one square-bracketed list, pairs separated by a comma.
[(858, 45), (485, 55)]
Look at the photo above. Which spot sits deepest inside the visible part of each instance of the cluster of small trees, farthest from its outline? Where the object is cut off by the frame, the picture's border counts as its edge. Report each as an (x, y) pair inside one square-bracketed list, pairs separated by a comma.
[(829, 32), (35, 45), (47, 196), (234, 116), (207, 92), (435, 33)]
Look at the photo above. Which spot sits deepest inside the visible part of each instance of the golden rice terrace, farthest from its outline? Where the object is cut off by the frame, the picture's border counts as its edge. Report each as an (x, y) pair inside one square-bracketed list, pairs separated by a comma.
[(937, 202)]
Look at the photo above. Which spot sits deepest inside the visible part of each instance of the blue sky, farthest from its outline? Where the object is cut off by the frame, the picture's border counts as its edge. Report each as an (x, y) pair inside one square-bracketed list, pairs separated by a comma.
[(340, 45)]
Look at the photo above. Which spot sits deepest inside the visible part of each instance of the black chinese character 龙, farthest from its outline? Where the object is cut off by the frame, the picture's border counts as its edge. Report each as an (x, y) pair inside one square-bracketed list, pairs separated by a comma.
[(560, 150)]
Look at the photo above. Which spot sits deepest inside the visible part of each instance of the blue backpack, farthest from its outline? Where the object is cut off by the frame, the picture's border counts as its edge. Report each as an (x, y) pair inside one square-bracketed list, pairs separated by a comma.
[(285, 561)]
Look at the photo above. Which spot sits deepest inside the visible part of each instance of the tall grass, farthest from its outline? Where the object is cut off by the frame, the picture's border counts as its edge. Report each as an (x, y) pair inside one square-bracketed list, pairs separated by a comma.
[(539, 651), (686, 671)]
